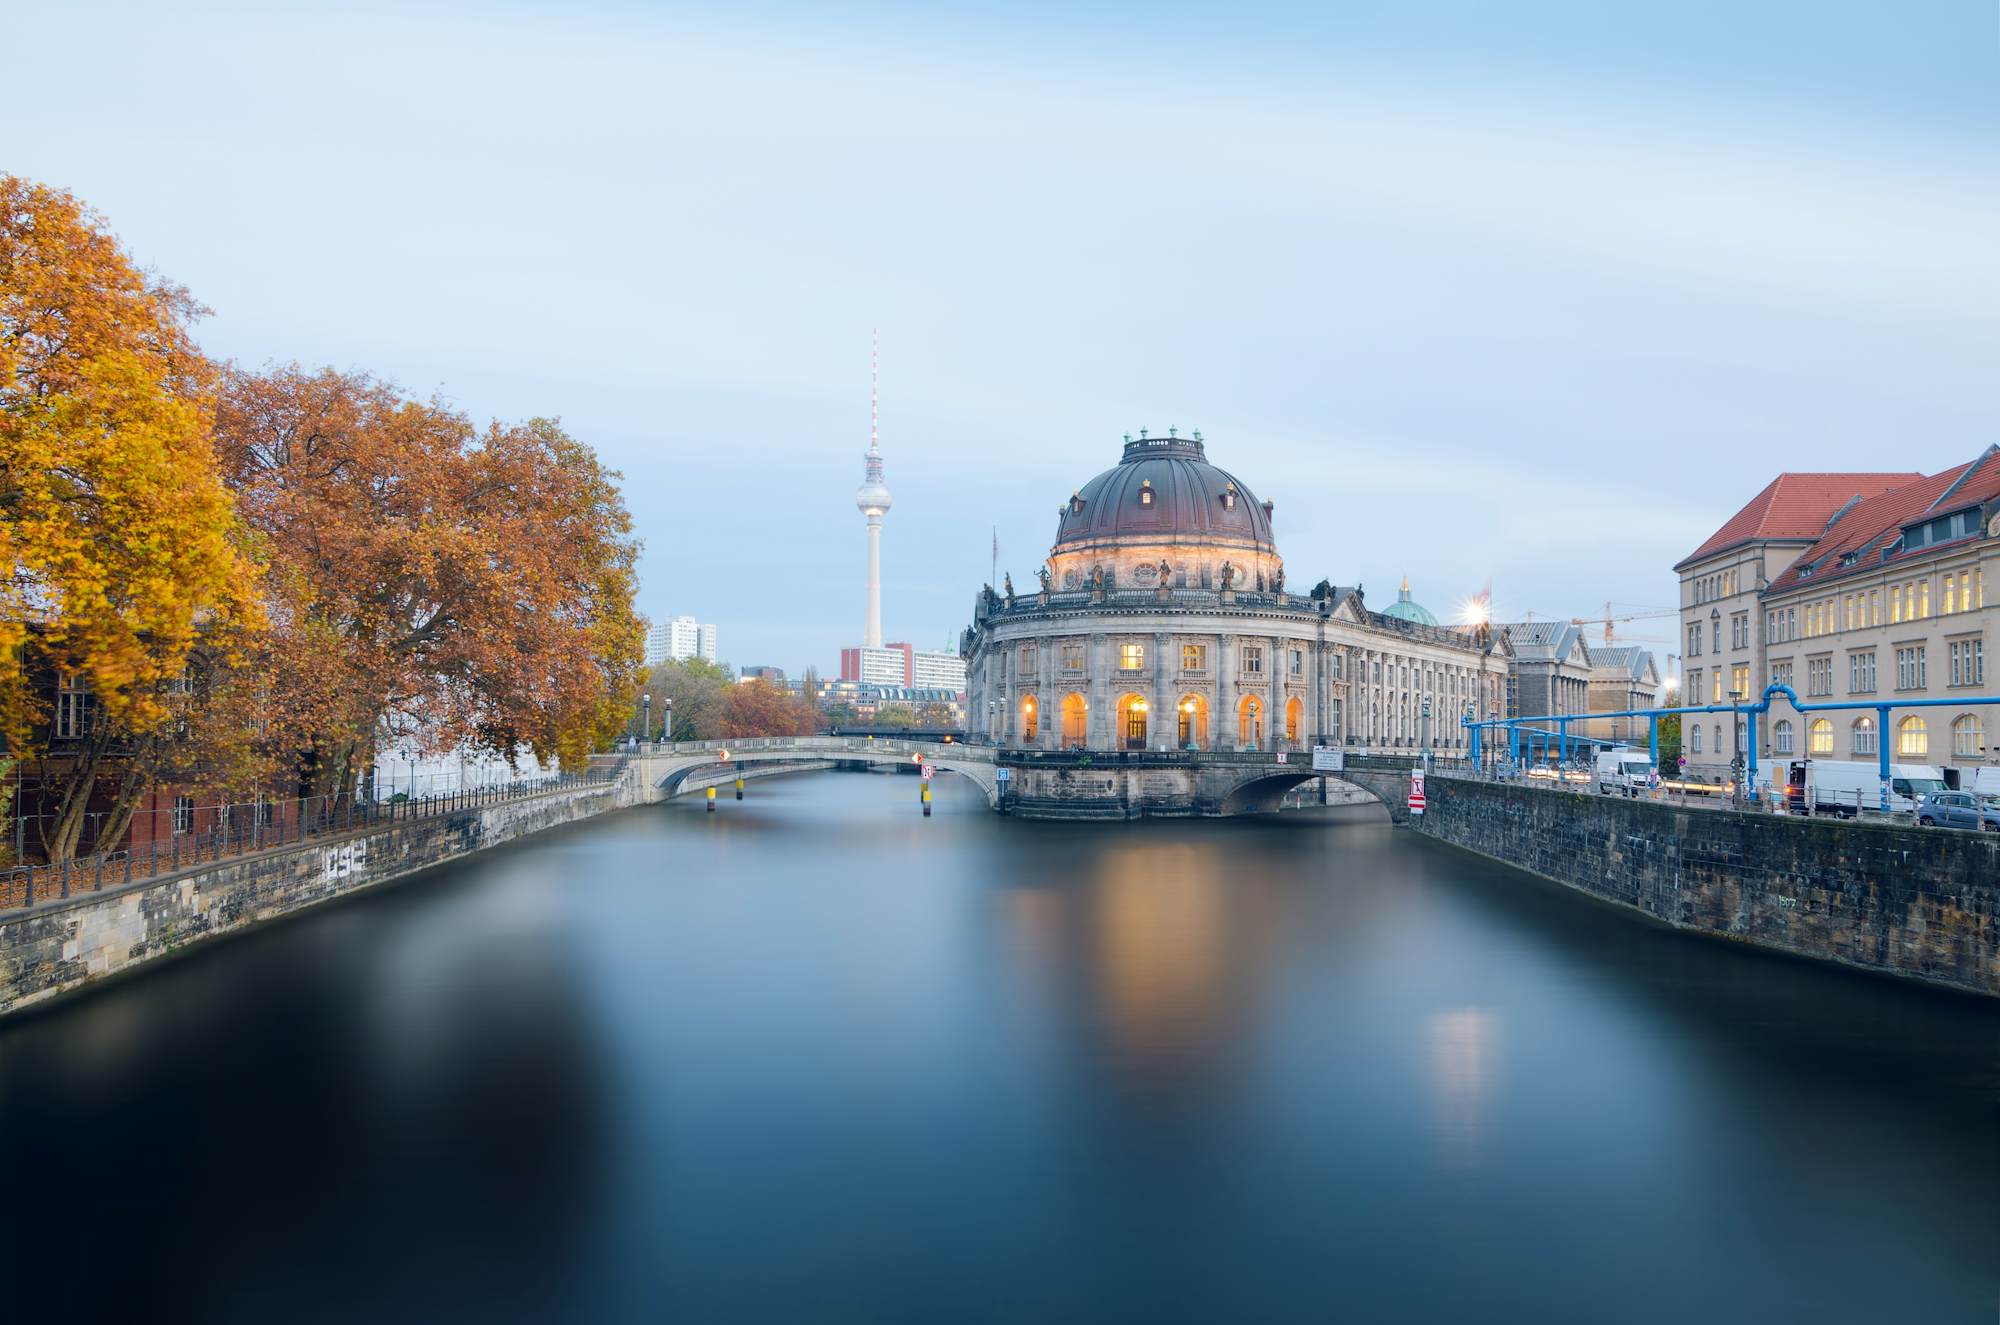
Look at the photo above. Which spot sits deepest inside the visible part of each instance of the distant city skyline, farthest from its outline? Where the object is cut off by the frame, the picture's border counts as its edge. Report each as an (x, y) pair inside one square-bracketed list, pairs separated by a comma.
[(1531, 297)]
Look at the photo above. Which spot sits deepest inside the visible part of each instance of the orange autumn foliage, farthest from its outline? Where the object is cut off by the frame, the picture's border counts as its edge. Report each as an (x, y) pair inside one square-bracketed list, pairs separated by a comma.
[(429, 581), (121, 542)]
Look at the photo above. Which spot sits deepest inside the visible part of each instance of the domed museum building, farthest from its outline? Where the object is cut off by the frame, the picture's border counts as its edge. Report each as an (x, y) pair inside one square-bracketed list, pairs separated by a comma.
[(1166, 621)]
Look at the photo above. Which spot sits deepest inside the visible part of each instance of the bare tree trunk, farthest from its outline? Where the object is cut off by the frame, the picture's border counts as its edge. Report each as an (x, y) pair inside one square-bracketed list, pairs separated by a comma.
[(60, 836)]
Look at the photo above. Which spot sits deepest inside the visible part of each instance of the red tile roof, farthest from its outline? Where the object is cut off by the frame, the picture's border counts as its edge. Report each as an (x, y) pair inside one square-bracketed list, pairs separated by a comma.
[(1877, 522), (1795, 506)]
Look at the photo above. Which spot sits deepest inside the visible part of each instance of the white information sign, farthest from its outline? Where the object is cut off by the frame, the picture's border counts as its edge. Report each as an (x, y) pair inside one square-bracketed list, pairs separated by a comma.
[(1329, 759)]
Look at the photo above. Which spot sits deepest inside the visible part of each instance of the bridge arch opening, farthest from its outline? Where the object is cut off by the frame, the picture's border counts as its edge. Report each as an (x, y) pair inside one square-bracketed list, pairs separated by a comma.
[(1264, 795)]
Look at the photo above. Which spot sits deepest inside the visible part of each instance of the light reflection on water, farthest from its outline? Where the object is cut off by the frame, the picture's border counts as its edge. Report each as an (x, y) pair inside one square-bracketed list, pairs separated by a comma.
[(814, 1056)]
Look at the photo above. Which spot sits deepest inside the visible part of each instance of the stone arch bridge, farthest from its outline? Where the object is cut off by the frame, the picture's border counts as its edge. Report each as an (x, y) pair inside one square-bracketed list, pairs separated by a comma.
[(1046, 784)]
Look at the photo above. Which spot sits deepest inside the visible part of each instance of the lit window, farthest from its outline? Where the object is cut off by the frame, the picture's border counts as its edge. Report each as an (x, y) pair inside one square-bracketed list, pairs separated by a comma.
[(1912, 737), (1194, 657), (1131, 657), (1819, 737)]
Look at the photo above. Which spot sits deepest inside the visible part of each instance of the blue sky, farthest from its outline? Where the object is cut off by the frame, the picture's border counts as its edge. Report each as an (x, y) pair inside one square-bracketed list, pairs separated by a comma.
[(1533, 293)]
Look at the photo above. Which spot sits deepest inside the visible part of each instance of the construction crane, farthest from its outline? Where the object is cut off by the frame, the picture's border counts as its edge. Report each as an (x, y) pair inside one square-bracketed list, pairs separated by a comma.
[(1644, 614)]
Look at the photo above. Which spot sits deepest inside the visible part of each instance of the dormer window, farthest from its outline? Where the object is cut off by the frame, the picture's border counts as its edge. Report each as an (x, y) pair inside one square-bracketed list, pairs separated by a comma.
[(1076, 503), (1145, 492), (1229, 497)]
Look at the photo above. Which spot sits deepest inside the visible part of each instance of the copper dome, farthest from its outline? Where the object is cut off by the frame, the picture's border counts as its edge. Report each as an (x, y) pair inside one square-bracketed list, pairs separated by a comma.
[(1164, 490)]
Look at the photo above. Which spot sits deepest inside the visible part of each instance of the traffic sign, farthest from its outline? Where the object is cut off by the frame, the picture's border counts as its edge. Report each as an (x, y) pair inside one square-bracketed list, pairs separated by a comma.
[(1416, 791), (1002, 774)]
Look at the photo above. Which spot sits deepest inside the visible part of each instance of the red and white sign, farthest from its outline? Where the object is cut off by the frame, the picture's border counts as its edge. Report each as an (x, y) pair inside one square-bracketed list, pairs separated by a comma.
[(1281, 756), (928, 770), (1416, 791)]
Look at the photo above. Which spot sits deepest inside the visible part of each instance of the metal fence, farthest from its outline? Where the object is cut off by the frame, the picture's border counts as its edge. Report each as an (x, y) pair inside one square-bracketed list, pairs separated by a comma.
[(203, 834), (1690, 795)]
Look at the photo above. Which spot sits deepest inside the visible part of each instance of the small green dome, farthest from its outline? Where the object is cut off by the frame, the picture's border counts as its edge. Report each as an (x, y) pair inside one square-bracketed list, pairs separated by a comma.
[(1407, 609)]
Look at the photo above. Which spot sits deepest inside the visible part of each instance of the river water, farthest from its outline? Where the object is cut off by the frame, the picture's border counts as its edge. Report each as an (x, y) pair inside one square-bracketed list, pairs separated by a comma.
[(814, 1057)]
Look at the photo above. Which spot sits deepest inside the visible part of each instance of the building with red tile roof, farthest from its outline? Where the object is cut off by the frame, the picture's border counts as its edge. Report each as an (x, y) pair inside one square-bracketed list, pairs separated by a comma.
[(1865, 587)]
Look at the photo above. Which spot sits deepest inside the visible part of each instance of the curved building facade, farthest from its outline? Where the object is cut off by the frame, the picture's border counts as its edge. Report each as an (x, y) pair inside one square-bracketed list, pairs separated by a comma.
[(1166, 621)]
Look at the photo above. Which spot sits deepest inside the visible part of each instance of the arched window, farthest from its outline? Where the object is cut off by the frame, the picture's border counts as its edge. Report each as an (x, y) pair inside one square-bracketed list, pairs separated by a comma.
[(1250, 720), (1145, 492), (1864, 736), (1967, 737), (1132, 722), (1295, 718), (1075, 721), (1029, 726), (1192, 725), (1819, 737), (1912, 737), (1781, 736), (1694, 739)]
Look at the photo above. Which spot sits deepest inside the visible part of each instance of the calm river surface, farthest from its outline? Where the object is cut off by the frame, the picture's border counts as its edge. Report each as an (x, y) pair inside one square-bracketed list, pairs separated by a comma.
[(814, 1057)]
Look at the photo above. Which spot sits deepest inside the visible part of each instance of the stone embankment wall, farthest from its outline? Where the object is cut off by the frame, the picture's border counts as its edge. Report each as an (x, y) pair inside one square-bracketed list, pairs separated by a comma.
[(59, 945), (1914, 902)]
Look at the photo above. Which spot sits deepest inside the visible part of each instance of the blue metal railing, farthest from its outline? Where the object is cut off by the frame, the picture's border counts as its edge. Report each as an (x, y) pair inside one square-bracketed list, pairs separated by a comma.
[(1517, 727)]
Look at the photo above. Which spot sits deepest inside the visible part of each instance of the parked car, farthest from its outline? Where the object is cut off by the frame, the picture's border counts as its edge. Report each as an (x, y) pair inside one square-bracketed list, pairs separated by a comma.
[(1957, 809)]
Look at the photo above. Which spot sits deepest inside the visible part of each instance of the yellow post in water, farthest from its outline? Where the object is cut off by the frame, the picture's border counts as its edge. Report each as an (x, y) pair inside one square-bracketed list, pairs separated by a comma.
[(739, 786), (711, 800), (927, 800)]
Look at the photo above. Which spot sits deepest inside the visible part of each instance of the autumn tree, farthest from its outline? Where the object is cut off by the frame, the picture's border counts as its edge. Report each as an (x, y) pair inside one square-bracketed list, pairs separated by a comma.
[(429, 581), (936, 715), (122, 544), (894, 715), (760, 708), (692, 690)]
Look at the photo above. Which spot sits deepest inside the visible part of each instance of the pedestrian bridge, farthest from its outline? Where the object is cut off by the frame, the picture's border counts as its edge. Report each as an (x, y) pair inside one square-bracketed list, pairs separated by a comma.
[(1050, 784), (685, 765)]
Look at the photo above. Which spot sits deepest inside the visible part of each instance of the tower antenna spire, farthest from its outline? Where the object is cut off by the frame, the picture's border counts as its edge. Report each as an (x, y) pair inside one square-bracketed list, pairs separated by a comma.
[(873, 498)]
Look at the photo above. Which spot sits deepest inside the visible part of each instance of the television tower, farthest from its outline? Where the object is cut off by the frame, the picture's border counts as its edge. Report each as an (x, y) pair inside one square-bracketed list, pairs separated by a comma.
[(873, 499)]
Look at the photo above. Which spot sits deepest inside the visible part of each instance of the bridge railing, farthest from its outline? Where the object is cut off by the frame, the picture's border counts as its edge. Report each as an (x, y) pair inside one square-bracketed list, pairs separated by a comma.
[(815, 745)]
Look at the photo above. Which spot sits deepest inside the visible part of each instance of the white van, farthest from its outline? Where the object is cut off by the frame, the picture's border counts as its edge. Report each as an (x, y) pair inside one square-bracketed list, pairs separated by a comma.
[(1841, 786), (1626, 771)]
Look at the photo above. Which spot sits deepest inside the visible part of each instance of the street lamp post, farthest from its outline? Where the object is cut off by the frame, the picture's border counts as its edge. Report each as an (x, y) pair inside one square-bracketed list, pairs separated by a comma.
[(1736, 697), (667, 723), (646, 733)]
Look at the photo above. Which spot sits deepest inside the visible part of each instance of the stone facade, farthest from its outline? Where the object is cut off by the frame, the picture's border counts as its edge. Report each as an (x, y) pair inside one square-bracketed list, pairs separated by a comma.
[(1919, 903), (1862, 587), (1165, 625)]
